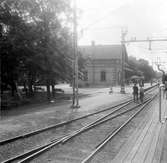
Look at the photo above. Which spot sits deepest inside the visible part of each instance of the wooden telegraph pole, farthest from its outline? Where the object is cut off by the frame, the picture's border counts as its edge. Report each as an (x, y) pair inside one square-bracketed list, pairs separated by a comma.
[(75, 100), (123, 34)]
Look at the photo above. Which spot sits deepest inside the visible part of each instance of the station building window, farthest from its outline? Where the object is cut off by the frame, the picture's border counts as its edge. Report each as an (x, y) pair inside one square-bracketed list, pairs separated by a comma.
[(103, 76)]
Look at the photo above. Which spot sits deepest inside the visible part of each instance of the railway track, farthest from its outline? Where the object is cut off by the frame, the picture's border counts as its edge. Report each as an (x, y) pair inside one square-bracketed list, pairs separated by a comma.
[(59, 140), (8, 140), (101, 145), (2, 142), (24, 157)]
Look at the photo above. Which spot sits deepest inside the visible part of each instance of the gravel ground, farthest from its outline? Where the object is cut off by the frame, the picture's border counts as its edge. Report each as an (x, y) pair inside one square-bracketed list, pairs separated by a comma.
[(49, 117), (40, 119), (78, 148), (112, 148), (30, 121), (26, 144)]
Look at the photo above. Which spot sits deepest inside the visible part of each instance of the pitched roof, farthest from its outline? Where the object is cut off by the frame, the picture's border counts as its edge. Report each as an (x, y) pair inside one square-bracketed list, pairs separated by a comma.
[(102, 51)]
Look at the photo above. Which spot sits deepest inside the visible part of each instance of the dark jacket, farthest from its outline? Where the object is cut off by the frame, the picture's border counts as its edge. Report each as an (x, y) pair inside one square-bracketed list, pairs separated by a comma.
[(135, 90)]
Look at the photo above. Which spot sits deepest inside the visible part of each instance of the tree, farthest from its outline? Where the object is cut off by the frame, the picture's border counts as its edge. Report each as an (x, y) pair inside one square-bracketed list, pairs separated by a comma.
[(147, 70), (35, 40), (140, 67), (12, 31)]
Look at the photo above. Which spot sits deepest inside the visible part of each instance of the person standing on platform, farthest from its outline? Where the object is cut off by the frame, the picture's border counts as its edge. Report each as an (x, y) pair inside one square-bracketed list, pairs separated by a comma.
[(165, 89), (135, 92), (141, 94)]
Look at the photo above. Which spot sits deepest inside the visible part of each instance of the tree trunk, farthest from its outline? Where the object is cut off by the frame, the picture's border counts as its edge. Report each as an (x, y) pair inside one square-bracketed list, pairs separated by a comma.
[(13, 87), (30, 88), (53, 90), (48, 89), (18, 92), (25, 88), (30, 85)]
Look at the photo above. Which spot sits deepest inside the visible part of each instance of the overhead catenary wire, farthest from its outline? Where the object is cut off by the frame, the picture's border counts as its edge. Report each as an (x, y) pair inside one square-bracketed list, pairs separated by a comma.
[(107, 14)]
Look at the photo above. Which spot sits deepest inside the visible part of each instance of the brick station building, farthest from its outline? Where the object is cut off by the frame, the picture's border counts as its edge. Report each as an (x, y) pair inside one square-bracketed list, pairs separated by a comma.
[(103, 66)]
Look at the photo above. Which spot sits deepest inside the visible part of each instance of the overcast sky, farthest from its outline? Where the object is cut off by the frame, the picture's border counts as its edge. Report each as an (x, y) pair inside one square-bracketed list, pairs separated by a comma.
[(102, 20)]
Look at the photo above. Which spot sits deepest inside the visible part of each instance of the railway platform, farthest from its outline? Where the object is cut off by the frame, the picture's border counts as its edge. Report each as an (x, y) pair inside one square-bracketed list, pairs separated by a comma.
[(148, 143)]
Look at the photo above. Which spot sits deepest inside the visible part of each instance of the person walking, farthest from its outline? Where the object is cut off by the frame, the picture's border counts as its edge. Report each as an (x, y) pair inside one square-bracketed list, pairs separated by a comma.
[(135, 92), (141, 94)]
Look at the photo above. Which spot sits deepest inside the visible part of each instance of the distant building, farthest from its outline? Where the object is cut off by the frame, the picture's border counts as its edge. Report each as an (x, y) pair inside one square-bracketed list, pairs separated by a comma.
[(103, 64)]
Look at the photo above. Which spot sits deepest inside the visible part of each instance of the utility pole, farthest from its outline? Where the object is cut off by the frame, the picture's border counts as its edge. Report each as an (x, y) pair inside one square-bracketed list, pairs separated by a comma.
[(144, 40), (75, 102), (73, 84), (123, 34)]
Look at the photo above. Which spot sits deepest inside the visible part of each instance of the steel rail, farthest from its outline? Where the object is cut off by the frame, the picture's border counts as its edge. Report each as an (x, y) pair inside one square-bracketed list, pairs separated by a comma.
[(149, 88), (63, 137), (115, 132), (33, 153), (2, 142), (105, 119), (72, 135)]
